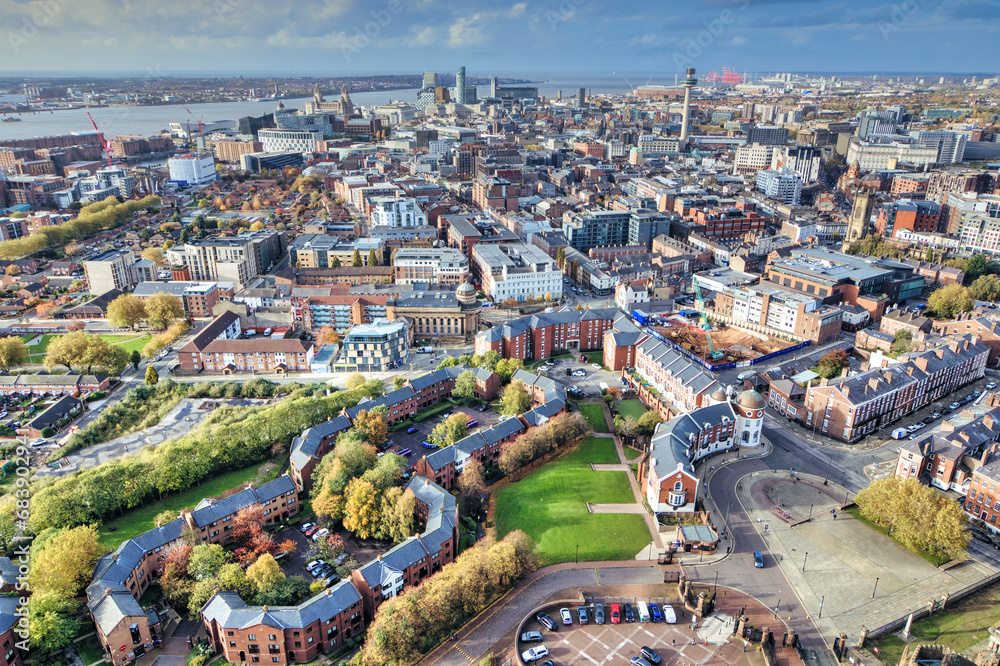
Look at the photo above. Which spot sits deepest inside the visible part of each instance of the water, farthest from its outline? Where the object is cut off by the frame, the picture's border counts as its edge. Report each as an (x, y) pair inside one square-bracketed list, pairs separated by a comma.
[(149, 120)]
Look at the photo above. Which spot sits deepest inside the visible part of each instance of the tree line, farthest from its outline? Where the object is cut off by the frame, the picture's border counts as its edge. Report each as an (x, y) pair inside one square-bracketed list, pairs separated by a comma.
[(411, 624), (231, 439), (93, 218), (560, 430)]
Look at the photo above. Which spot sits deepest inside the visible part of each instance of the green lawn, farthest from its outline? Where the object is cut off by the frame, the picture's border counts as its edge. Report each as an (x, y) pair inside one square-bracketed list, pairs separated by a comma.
[(631, 454), (90, 650), (36, 352), (596, 357), (594, 413), (632, 408), (966, 623), (129, 343), (550, 506), (136, 522), (933, 559)]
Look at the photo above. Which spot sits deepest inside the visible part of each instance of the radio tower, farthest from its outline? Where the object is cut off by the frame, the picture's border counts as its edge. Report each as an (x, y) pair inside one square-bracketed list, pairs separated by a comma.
[(689, 82)]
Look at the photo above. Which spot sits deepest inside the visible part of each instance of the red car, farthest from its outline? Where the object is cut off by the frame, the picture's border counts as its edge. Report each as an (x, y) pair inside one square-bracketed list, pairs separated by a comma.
[(616, 614), (312, 530)]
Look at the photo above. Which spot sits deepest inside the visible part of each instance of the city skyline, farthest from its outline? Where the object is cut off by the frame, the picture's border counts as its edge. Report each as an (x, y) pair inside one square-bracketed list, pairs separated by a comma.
[(397, 36)]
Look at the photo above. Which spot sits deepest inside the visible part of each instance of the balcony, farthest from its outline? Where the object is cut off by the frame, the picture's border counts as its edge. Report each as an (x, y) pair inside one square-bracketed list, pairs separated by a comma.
[(676, 498)]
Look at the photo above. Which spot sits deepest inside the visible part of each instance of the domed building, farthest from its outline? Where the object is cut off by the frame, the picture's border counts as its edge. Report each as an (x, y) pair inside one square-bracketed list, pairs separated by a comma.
[(667, 475), (443, 314)]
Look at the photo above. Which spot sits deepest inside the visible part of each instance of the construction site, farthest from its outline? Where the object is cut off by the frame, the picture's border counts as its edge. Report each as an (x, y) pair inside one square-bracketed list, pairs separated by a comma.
[(727, 343)]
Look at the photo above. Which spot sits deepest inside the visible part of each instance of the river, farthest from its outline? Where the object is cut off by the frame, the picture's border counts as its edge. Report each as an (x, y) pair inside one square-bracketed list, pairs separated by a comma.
[(149, 120)]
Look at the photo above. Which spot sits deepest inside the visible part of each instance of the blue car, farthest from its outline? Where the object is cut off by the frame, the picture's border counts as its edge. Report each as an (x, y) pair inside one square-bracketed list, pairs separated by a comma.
[(428, 445), (654, 613), (412, 429)]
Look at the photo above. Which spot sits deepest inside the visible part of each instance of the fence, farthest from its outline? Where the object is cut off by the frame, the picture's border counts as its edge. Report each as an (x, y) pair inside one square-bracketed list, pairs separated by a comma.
[(724, 366)]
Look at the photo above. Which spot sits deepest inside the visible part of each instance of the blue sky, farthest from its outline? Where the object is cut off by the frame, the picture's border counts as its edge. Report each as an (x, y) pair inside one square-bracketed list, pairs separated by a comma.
[(339, 37)]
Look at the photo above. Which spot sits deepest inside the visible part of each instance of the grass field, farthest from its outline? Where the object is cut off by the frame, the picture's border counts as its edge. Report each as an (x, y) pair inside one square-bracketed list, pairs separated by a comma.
[(596, 357), (129, 343), (965, 624), (550, 506), (136, 522), (594, 414), (933, 559), (90, 650), (632, 408), (631, 454), (36, 352)]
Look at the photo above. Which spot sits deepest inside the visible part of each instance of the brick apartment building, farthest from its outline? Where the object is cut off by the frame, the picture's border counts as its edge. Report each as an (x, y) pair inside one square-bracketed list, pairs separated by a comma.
[(848, 408), (909, 215), (539, 336)]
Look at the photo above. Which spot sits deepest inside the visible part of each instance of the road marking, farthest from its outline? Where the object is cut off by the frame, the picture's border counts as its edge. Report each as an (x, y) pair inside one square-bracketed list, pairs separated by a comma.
[(464, 653), (597, 575)]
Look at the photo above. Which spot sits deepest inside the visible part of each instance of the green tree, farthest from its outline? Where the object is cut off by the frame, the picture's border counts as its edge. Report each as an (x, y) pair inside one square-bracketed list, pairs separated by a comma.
[(489, 360), (561, 257), (356, 380), (68, 350), (361, 509), (372, 258), (64, 563), (165, 517), (626, 427), (985, 288), (398, 383), (448, 362), (515, 399), (356, 259), (162, 309), (465, 385), (506, 368), (335, 263), (265, 573), (50, 632), (901, 342), (832, 363), (979, 264), (398, 511), (949, 301), (126, 311), (152, 376), (135, 359), (929, 255), (13, 352), (449, 431), (647, 422), (207, 560)]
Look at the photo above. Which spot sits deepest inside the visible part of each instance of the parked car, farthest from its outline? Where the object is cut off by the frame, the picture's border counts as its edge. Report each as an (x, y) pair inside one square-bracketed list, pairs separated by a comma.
[(535, 653), (315, 564), (319, 535), (638, 661), (599, 613), (650, 655), (341, 558), (595, 366), (654, 613), (312, 529), (758, 559), (532, 637), (412, 429), (936, 415), (546, 621), (668, 614), (581, 612), (991, 386), (567, 617), (616, 614), (629, 613), (929, 419), (955, 405)]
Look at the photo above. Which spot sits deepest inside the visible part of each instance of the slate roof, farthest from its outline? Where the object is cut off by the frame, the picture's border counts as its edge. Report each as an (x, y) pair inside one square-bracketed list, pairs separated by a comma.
[(231, 612), (8, 612), (8, 573), (111, 609), (670, 445), (306, 445)]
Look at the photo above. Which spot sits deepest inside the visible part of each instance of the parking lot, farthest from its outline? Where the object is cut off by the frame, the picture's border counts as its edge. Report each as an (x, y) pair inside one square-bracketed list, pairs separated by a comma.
[(413, 441), (617, 643), (942, 408)]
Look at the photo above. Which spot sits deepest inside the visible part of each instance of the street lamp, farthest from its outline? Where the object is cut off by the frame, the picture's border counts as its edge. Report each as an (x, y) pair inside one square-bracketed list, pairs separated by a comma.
[(826, 478), (876, 587), (821, 606), (804, 565), (577, 553)]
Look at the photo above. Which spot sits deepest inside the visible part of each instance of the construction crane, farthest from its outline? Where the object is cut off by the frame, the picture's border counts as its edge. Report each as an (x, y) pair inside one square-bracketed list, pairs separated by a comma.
[(200, 124), (700, 300), (107, 147)]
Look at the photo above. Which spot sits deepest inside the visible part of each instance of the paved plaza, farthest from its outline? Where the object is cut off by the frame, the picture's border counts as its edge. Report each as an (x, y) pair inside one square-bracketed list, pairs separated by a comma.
[(862, 579)]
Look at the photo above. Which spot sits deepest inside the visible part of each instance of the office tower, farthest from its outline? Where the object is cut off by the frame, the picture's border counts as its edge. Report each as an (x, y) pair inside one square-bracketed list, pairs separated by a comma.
[(430, 80), (494, 84), (581, 97), (460, 85)]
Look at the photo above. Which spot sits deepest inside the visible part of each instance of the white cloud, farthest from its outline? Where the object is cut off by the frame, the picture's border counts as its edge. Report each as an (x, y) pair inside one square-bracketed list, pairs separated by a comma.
[(517, 9), (418, 37), (739, 40), (467, 31)]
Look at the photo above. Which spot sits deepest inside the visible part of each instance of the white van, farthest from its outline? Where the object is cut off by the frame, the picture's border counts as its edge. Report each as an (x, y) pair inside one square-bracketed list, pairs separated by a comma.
[(267, 332), (745, 375), (643, 611)]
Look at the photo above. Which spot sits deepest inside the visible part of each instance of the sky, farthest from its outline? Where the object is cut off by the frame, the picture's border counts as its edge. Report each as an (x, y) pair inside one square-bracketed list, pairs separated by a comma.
[(364, 37)]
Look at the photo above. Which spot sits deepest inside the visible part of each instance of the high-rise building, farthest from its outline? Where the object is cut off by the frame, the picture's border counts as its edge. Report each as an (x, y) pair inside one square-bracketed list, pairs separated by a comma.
[(430, 81), (784, 185), (460, 85), (581, 97), (767, 135), (192, 169), (877, 122), (688, 83)]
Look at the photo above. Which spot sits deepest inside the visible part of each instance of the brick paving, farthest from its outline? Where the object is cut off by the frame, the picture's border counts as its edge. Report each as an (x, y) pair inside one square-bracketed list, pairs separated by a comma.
[(842, 558)]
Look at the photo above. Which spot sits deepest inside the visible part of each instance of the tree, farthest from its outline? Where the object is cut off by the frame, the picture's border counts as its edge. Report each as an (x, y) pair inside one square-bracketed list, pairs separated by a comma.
[(356, 259), (465, 385), (356, 380), (832, 363), (13, 352), (154, 254), (951, 300), (50, 632), (515, 399), (506, 367), (68, 350), (327, 336), (135, 359), (985, 288), (449, 431), (626, 427), (126, 311), (207, 560), (361, 509), (917, 516), (152, 376), (901, 342), (647, 422), (335, 263), (398, 383), (448, 362), (265, 573), (929, 255), (575, 268), (165, 517), (472, 487), (561, 257), (12, 269), (489, 360), (162, 309), (64, 563), (372, 258), (373, 425), (257, 226), (979, 264)]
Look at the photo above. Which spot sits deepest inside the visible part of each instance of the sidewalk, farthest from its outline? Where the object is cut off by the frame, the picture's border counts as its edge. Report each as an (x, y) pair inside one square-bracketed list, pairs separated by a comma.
[(651, 523)]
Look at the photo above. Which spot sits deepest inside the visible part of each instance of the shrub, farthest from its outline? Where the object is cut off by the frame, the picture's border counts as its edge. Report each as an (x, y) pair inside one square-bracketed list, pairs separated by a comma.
[(48, 432)]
